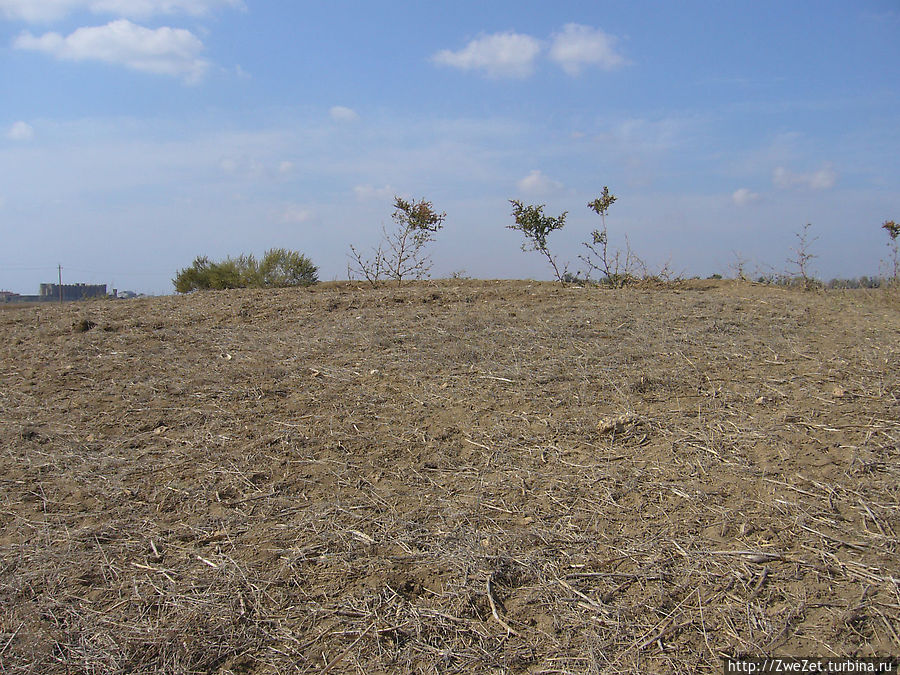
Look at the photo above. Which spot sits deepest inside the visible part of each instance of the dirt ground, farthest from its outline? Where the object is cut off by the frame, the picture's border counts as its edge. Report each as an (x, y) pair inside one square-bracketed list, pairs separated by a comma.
[(449, 477)]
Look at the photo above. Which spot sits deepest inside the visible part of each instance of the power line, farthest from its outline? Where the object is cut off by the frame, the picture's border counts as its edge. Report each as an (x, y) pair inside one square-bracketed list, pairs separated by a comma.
[(118, 273), (16, 268)]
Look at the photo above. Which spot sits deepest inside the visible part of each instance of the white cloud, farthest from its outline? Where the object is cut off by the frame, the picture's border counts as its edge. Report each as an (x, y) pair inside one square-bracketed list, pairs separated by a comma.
[(647, 136), (245, 167), (783, 178), (577, 46), (536, 184), (49, 10), (228, 165), (294, 213), (285, 167), (823, 179), (162, 51), (20, 131), (499, 55), (744, 197), (370, 192), (340, 113)]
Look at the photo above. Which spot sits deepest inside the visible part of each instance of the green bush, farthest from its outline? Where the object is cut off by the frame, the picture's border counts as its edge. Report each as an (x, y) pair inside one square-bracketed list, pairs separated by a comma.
[(278, 268)]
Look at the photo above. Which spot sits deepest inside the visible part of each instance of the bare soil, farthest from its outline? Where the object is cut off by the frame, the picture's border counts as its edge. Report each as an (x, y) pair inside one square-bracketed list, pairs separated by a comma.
[(460, 476)]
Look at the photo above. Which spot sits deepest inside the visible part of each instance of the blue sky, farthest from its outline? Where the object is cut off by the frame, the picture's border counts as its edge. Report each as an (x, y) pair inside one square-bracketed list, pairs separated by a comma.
[(138, 134)]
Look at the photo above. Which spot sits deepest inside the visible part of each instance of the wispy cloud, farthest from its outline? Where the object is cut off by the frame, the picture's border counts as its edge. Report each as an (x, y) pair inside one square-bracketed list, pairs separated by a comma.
[(823, 179), (537, 184), (643, 135), (341, 113), (744, 197), (294, 214), (50, 10), (162, 51), (20, 131), (578, 46), (364, 192), (497, 55), (255, 165)]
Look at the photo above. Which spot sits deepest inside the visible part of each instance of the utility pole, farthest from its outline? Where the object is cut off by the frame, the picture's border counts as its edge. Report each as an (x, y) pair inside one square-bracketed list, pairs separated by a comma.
[(60, 283)]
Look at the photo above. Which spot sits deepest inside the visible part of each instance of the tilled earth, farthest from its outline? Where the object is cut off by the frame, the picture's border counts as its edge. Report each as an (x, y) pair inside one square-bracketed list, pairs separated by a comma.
[(458, 476)]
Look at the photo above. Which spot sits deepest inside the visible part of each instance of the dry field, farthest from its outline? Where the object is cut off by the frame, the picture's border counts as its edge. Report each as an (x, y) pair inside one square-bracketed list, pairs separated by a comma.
[(449, 477)]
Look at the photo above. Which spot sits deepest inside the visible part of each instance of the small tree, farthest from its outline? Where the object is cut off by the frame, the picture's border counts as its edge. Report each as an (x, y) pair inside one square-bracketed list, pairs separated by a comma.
[(401, 254), (617, 267), (893, 230), (531, 221), (804, 257)]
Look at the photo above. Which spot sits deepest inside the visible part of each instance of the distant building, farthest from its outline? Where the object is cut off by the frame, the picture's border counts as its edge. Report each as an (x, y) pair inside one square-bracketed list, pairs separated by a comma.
[(72, 291), (51, 293)]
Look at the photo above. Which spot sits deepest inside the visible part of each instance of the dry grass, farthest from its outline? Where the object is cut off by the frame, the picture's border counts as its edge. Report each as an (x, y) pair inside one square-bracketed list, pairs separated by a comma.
[(450, 477)]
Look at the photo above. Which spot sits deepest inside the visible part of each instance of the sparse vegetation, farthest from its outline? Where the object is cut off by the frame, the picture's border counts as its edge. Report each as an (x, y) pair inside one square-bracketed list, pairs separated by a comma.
[(453, 477), (739, 267), (531, 222), (278, 268), (401, 253), (857, 282), (803, 258), (615, 268)]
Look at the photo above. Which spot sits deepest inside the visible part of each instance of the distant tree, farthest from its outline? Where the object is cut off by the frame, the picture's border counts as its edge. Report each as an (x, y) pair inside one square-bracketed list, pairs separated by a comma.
[(401, 253), (278, 268), (531, 221), (893, 231)]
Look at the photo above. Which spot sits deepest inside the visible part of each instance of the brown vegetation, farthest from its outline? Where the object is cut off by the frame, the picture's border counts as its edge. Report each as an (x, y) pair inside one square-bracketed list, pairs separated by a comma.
[(449, 477)]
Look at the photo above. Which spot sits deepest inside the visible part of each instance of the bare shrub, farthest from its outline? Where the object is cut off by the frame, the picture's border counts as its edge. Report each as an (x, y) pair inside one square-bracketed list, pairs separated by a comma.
[(893, 230), (803, 258)]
